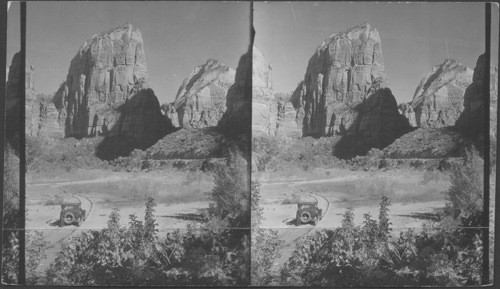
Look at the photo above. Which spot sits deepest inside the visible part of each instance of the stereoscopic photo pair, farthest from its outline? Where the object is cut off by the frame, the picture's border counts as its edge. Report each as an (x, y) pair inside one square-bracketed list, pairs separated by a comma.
[(158, 143)]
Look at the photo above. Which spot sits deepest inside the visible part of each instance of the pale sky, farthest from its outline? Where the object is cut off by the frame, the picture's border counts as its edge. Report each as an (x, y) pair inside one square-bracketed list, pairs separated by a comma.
[(177, 36), (413, 36)]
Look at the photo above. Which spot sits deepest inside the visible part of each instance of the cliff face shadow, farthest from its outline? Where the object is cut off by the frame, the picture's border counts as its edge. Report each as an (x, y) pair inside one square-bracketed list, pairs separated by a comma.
[(377, 124), (236, 123), (140, 125)]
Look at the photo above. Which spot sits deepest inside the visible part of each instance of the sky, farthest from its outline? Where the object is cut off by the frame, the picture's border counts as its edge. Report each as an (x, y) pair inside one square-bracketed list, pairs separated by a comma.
[(413, 36), (177, 36)]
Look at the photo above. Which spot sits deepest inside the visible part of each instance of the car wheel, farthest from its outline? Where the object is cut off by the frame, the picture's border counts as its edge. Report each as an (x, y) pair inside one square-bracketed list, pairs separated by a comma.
[(68, 218), (305, 217)]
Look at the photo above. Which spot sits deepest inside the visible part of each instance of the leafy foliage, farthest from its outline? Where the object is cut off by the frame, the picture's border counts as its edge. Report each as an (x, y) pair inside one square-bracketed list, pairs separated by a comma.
[(447, 253), (265, 245), (368, 255), (213, 253), (465, 195)]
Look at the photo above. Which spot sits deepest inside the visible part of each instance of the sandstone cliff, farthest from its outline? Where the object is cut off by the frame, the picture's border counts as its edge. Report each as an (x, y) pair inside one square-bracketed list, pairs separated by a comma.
[(201, 99), (107, 91), (13, 99), (345, 69), (287, 125), (438, 99), (344, 92), (264, 105)]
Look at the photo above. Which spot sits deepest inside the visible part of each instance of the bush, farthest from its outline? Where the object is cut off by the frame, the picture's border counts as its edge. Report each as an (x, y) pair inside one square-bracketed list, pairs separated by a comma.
[(214, 253), (229, 201), (266, 246), (368, 255), (10, 213), (465, 195)]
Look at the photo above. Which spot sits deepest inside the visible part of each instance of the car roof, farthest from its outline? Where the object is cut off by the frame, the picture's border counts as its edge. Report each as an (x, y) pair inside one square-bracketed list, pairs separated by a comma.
[(68, 203), (307, 202)]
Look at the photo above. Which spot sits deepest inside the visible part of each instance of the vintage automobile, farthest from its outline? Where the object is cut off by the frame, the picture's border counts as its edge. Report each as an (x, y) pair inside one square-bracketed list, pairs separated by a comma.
[(308, 211), (71, 213)]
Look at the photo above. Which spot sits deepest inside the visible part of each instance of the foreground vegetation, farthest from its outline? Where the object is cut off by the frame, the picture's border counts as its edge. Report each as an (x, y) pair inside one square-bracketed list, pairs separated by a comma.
[(215, 252), (447, 252)]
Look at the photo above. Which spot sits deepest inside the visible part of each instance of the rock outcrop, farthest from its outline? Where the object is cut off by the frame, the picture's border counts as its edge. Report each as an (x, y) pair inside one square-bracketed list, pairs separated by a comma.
[(201, 99), (438, 99), (406, 110), (345, 69), (288, 125), (264, 105), (45, 120), (168, 110), (107, 90), (344, 92), (12, 87)]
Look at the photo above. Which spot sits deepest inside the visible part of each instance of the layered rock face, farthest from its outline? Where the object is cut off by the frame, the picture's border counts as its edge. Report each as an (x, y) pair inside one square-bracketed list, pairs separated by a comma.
[(344, 92), (107, 90), (475, 104), (438, 99), (288, 125), (101, 78), (45, 118), (345, 69), (264, 106), (201, 99)]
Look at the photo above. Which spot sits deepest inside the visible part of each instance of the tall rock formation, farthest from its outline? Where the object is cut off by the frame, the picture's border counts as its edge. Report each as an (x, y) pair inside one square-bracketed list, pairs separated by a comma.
[(201, 99), (438, 99), (264, 106), (107, 90), (344, 92), (12, 87), (345, 69)]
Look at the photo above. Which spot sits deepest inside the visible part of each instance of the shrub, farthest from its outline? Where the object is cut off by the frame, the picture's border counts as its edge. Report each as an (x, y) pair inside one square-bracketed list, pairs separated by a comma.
[(367, 256), (266, 245), (465, 195), (229, 200), (136, 255)]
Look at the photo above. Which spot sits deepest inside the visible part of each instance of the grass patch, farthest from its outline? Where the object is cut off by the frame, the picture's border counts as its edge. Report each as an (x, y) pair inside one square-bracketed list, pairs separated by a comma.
[(190, 187), (293, 200), (370, 190)]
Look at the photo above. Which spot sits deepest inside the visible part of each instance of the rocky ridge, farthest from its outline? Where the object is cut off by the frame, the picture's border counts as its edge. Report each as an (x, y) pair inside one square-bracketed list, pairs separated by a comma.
[(438, 99), (201, 100)]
